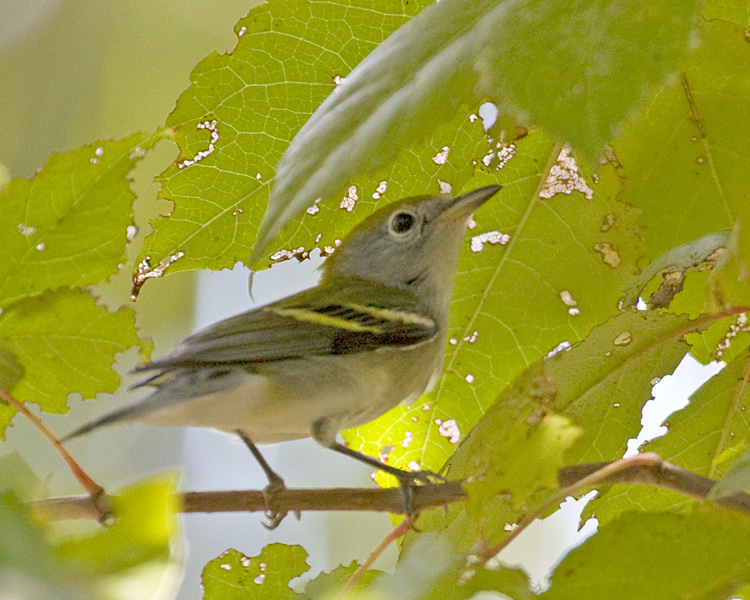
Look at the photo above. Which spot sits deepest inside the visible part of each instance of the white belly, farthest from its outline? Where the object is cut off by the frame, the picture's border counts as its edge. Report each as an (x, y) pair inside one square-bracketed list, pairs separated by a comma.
[(275, 405)]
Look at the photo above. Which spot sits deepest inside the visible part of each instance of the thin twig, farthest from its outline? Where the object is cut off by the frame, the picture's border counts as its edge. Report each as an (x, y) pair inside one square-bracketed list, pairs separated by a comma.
[(594, 477), (94, 490), (392, 536), (658, 473)]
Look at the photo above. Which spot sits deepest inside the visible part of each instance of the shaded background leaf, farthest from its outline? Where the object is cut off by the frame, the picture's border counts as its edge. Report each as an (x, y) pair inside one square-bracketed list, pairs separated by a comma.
[(660, 555), (68, 225), (66, 344), (683, 155)]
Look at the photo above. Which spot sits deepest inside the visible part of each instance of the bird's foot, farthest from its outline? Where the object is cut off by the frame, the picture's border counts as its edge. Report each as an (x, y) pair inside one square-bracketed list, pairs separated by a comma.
[(408, 480), (273, 516)]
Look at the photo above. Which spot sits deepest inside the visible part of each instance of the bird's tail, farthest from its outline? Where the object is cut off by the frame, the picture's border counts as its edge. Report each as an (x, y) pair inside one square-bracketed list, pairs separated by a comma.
[(128, 413)]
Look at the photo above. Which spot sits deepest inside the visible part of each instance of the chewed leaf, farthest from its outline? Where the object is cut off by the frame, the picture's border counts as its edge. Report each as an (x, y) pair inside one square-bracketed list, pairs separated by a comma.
[(241, 111), (673, 266), (524, 54), (536, 249), (266, 576), (68, 225)]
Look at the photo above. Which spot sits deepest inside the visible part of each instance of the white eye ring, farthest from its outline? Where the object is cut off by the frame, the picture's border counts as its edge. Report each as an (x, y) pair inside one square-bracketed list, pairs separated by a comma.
[(402, 222)]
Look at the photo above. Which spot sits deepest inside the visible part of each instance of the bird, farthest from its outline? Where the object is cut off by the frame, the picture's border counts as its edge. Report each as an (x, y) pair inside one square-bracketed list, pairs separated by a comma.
[(370, 335)]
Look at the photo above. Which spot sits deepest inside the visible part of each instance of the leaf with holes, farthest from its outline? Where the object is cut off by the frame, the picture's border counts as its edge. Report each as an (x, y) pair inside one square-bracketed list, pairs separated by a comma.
[(68, 225), (234, 575), (577, 69)]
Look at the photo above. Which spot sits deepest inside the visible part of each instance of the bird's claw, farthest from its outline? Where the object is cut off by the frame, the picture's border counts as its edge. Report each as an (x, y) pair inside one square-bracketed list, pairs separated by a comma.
[(408, 482), (274, 517)]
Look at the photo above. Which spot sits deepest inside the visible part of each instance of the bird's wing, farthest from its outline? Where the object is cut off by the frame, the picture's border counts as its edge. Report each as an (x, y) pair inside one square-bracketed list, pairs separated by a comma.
[(323, 320)]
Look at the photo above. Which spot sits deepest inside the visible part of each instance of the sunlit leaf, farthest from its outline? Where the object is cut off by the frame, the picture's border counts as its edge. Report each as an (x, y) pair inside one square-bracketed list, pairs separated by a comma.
[(734, 11), (516, 301), (236, 119)]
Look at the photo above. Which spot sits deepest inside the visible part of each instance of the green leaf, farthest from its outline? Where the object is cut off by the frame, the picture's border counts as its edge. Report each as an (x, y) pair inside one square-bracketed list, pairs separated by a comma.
[(67, 225), (737, 479), (707, 437), (28, 567), (579, 68), (236, 576), (734, 11), (576, 69), (65, 343), (661, 556), (145, 526), (16, 475), (603, 383), (430, 570), (450, 160), (23, 545), (327, 585), (259, 95), (512, 582), (685, 156), (11, 371), (712, 432), (673, 267), (515, 450), (728, 285)]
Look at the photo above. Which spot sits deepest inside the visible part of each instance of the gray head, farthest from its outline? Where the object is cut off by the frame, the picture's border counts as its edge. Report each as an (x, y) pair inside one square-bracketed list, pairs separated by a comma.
[(414, 243)]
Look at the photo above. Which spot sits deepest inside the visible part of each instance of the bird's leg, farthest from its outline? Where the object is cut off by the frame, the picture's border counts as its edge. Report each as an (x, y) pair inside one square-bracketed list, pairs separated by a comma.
[(275, 484), (406, 479), (324, 432)]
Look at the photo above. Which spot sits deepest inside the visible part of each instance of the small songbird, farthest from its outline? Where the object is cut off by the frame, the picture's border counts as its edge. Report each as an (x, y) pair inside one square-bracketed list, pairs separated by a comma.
[(370, 335)]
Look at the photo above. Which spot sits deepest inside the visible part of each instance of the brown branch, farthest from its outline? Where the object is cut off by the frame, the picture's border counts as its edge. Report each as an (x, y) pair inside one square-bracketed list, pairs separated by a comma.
[(658, 473), (318, 499), (646, 469)]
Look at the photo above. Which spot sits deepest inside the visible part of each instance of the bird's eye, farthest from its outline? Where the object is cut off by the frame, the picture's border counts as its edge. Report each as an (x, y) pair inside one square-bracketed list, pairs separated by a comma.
[(402, 221)]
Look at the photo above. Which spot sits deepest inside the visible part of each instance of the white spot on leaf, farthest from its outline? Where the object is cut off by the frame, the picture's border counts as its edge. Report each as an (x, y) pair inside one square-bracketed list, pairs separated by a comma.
[(493, 238), (565, 178), (449, 429), (209, 126), (350, 200), (441, 157)]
